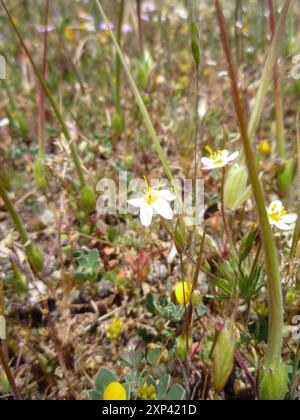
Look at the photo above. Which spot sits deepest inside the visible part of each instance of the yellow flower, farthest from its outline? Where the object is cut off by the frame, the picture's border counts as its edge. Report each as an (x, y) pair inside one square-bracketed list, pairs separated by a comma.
[(69, 34), (265, 148), (115, 329), (114, 392), (147, 392), (183, 292)]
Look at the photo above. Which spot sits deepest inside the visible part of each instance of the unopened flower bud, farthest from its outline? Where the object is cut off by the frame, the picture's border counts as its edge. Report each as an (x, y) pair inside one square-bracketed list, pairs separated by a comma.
[(236, 191), (223, 358)]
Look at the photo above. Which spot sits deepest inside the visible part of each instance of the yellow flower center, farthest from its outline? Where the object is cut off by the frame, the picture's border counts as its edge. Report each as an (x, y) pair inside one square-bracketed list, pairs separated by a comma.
[(277, 214), (114, 392), (215, 156), (149, 196)]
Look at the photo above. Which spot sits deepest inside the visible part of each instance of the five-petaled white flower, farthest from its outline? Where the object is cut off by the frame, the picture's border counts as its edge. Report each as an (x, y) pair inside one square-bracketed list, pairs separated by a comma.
[(153, 201), (218, 159), (279, 217)]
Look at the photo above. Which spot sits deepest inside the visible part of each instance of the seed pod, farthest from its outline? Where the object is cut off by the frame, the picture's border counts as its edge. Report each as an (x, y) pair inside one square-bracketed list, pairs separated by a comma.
[(273, 382), (195, 33), (223, 357), (88, 199), (247, 243), (35, 257), (180, 236), (236, 191), (40, 174), (286, 176)]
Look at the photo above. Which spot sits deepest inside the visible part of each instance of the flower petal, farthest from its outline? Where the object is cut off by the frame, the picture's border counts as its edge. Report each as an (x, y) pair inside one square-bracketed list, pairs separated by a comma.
[(275, 206), (166, 195), (163, 208), (283, 226), (233, 156), (289, 218), (207, 161), (146, 214), (136, 202), (224, 154)]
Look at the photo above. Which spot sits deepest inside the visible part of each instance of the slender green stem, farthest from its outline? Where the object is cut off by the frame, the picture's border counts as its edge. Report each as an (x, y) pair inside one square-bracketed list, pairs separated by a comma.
[(196, 123), (14, 215), (8, 373), (278, 91), (140, 23), (42, 110), (51, 99), (118, 61), (273, 355)]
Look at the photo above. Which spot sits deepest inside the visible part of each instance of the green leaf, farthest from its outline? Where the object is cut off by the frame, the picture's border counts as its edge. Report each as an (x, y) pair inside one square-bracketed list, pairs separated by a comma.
[(153, 355), (94, 395), (176, 393), (103, 378), (162, 387)]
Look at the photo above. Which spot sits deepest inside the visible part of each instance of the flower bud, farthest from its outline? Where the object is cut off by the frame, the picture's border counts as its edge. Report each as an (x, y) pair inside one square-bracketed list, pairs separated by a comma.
[(223, 357), (273, 382), (180, 236), (40, 174), (265, 148), (196, 298), (88, 199), (235, 190), (183, 292), (35, 258), (247, 243), (114, 391)]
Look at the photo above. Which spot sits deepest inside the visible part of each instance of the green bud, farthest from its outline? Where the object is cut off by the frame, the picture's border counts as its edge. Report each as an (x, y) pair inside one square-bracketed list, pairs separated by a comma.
[(4, 383), (35, 258), (88, 199), (118, 122), (182, 347), (196, 298), (247, 243), (195, 44), (273, 383), (180, 236), (20, 281), (40, 174), (223, 357), (286, 176), (236, 191)]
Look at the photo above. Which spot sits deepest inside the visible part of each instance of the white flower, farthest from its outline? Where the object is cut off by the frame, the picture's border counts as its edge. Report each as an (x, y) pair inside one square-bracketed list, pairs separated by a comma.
[(153, 201), (279, 217), (218, 159)]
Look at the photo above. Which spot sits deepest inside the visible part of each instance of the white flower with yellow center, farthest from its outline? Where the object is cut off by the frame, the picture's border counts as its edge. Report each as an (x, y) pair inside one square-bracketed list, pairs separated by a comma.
[(218, 159), (153, 201), (279, 217)]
